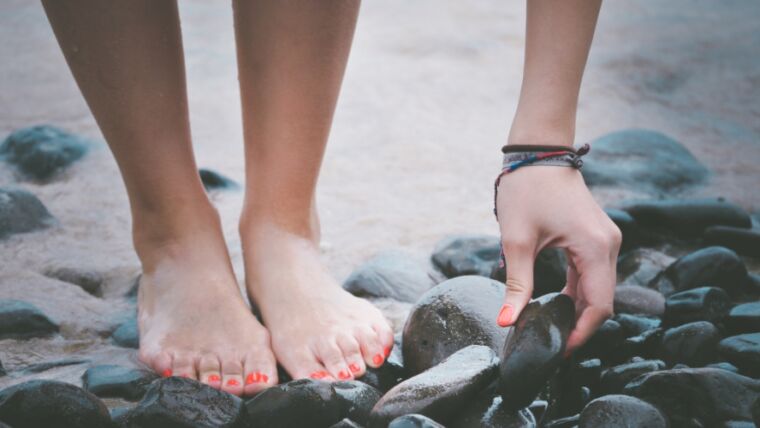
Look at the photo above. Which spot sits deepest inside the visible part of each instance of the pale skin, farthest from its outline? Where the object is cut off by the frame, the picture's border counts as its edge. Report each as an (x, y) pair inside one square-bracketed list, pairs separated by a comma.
[(126, 57)]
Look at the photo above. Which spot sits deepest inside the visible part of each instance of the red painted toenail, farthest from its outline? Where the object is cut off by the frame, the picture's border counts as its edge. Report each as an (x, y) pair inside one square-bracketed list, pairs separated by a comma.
[(354, 368), (166, 373), (264, 378), (233, 382), (343, 375), (319, 375), (253, 378), (214, 378), (387, 351), (378, 359)]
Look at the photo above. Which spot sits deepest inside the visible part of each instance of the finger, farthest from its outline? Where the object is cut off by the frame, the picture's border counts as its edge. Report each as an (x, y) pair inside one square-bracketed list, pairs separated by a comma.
[(520, 260), (594, 295)]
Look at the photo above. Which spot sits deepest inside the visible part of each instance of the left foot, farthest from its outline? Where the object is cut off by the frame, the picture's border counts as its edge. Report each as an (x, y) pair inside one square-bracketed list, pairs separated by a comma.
[(318, 329)]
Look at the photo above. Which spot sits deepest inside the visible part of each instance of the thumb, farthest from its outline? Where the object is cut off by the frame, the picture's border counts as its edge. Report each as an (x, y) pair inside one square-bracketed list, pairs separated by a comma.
[(520, 261)]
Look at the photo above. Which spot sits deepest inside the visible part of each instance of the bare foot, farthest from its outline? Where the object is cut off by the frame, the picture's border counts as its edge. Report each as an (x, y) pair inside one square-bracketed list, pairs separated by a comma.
[(318, 329), (192, 318)]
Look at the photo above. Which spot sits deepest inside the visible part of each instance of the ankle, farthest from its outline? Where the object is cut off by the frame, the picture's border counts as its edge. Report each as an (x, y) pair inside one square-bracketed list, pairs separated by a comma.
[(255, 220)]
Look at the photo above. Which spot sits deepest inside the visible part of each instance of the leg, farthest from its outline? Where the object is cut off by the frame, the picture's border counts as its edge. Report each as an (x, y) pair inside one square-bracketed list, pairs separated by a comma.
[(127, 59), (291, 59)]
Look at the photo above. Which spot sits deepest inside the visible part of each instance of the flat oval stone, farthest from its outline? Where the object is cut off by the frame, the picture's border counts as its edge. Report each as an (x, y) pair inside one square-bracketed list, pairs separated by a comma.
[(46, 403), (129, 383), (454, 314), (699, 304), (634, 299), (357, 399), (392, 274), (22, 320), (534, 348), (127, 334), (621, 411), (744, 318), (687, 218), (466, 255), (614, 379), (441, 390), (711, 266), (414, 421), (633, 325), (298, 403), (743, 351), (693, 344), (744, 241)]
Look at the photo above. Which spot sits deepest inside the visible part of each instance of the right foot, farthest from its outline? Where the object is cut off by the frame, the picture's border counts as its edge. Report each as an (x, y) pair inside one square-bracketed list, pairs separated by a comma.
[(192, 319)]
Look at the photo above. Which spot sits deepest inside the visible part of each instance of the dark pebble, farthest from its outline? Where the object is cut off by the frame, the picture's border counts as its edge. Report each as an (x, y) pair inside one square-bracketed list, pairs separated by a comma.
[(724, 366), (488, 411), (646, 345), (91, 282), (45, 403), (589, 372), (21, 212), (392, 274), (126, 334), (614, 379), (693, 344), (699, 304), (384, 377), (466, 255), (641, 265), (22, 320), (633, 325), (621, 411), (299, 403), (357, 399), (744, 241), (686, 218), (346, 423), (48, 365), (117, 381), (743, 351), (605, 342), (414, 421), (538, 409), (40, 152), (744, 318), (706, 396), (454, 314), (179, 402), (711, 266), (440, 391), (212, 180), (534, 348), (637, 300)]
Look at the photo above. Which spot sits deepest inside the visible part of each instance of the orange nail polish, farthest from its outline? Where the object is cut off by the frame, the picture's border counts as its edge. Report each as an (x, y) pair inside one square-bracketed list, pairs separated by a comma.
[(505, 316), (318, 375), (387, 351), (166, 373), (233, 382), (264, 378), (378, 359), (354, 367), (343, 375), (214, 378), (252, 378)]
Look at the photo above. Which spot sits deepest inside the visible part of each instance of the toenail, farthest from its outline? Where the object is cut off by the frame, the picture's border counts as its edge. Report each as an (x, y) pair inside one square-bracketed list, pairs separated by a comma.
[(166, 373), (233, 382), (343, 375), (319, 375), (354, 368), (387, 351), (264, 378), (214, 378), (378, 359), (253, 377)]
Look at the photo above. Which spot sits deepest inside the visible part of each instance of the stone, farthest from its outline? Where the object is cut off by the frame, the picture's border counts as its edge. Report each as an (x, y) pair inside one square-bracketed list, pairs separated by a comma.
[(126, 334), (414, 421), (346, 423), (743, 351), (699, 304), (641, 265), (114, 381), (298, 403), (707, 396), (385, 377), (614, 379), (627, 226), (22, 320), (534, 348), (91, 282), (454, 314), (538, 409), (440, 391), (693, 344), (549, 272), (589, 372), (179, 402), (724, 366), (685, 218), (744, 318), (392, 274), (621, 411), (566, 422), (46, 403), (645, 160), (634, 299), (711, 266), (2, 370), (646, 344), (212, 180), (633, 325), (48, 365), (40, 152), (120, 415), (489, 412), (357, 399), (22, 212), (744, 241), (756, 412), (466, 255), (605, 342)]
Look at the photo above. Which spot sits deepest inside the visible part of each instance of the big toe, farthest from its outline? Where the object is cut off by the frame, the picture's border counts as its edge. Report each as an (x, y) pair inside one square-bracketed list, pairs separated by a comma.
[(259, 373)]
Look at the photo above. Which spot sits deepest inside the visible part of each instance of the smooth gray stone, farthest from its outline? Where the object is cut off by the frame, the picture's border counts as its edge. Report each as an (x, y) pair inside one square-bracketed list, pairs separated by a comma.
[(693, 344), (711, 266), (298, 403), (22, 320), (127, 334), (621, 411), (391, 274), (40, 152), (685, 218), (117, 381), (743, 351), (22, 212)]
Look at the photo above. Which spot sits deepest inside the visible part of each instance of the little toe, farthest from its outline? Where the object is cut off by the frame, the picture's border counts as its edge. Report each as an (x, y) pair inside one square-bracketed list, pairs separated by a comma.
[(332, 358), (385, 335), (232, 376), (259, 374), (371, 347), (209, 371), (352, 355), (183, 365)]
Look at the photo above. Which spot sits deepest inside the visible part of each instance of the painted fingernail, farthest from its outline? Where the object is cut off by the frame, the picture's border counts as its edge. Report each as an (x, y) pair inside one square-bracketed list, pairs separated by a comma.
[(387, 351), (505, 316), (377, 359), (354, 367), (214, 378), (166, 373), (233, 382), (319, 375), (253, 377), (343, 375)]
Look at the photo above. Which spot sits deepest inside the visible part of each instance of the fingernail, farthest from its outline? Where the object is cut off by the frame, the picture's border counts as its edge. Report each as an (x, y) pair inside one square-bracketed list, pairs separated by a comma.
[(378, 359), (387, 351), (214, 378), (233, 382), (343, 375), (505, 316), (166, 373), (354, 367), (318, 375)]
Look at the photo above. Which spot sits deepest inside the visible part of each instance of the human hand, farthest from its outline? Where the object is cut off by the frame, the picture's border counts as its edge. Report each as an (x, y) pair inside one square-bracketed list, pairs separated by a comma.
[(550, 206)]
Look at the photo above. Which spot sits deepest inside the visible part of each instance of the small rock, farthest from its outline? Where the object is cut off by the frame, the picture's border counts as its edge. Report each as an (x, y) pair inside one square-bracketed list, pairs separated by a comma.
[(489, 412), (117, 381), (641, 266), (440, 391), (705, 395), (686, 218), (45, 403), (744, 241), (534, 348), (127, 335), (641, 159), (180, 402), (646, 344), (621, 411), (712, 266), (634, 299), (633, 325), (627, 226), (212, 180), (414, 421), (39, 152), (589, 372), (467, 255), (357, 398), (743, 351), (299, 403), (693, 344), (91, 282), (605, 342), (454, 314), (384, 377), (744, 318), (724, 366), (700, 304), (22, 320), (392, 274), (346, 423), (21, 212), (614, 379)]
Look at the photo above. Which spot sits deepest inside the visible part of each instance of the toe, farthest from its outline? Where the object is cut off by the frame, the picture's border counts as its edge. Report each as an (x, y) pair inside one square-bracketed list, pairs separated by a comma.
[(303, 364), (232, 376), (209, 371), (259, 373), (352, 354), (162, 364), (385, 336), (332, 358), (371, 347), (183, 365)]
